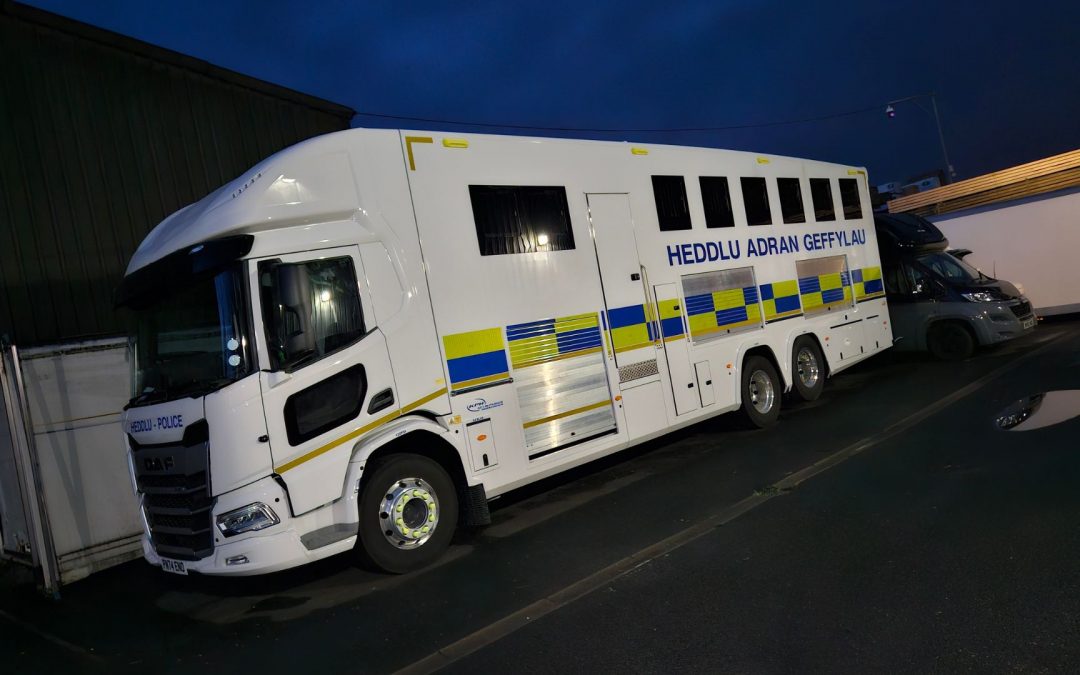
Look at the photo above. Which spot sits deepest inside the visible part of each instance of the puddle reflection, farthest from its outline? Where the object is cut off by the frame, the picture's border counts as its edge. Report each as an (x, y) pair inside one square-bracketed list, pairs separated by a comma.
[(1040, 410)]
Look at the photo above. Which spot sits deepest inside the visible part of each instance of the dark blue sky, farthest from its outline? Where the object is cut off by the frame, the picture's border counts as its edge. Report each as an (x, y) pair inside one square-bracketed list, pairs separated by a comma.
[(1007, 74)]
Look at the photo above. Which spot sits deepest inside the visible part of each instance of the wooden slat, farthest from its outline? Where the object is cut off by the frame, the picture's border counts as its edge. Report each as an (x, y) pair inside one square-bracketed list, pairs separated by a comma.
[(1035, 186), (991, 181)]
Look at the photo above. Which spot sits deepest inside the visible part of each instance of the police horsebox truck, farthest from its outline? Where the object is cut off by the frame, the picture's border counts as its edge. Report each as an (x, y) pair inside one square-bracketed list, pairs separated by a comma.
[(363, 339)]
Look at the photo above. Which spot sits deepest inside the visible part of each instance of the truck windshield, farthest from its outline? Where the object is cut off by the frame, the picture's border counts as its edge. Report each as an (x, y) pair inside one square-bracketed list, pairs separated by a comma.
[(950, 268), (190, 338)]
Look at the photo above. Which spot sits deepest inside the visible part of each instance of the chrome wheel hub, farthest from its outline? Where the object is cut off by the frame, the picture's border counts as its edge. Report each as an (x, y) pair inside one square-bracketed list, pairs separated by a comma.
[(762, 394), (409, 513), (808, 368)]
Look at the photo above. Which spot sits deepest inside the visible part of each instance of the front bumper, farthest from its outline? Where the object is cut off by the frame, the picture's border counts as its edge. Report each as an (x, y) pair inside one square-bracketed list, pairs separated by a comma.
[(273, 549), (1000, 322), (267, 553)]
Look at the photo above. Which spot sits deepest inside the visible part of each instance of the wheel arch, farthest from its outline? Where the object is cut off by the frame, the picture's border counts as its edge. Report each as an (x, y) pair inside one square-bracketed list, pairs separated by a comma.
[(966, 321), (767, 352), (810, 335), (416, 434)]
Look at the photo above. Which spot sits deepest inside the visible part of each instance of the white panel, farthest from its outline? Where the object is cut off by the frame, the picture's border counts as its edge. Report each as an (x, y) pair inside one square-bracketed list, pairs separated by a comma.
[(1031, 243), (623, 282), (236, 420), (678, 358), (383, 284), (644, 409), (75, 403), (703, 374), (481, 439)]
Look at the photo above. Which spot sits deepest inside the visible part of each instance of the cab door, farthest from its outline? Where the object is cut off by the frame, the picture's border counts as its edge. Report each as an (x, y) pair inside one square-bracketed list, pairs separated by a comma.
[(325, 369)]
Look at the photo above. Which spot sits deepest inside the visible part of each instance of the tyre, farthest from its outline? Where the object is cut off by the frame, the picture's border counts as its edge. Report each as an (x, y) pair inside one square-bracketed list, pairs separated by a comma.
[(950, 341), (760, 392), (807, 369), (408, 513)]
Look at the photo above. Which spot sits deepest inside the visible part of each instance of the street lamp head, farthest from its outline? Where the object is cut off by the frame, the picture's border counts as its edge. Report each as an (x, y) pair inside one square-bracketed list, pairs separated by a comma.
[(890, 111)]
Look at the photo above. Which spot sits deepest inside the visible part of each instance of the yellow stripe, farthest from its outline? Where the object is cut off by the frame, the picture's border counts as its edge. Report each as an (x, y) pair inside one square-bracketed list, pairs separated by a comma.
[(465, 384), (568, 413), (680, 336), (560, 357), (781, 315), (357, 433)]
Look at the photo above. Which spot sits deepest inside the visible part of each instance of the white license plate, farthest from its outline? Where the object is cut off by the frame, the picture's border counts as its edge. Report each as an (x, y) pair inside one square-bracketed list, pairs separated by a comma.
[(174, 566), (1027, 323)]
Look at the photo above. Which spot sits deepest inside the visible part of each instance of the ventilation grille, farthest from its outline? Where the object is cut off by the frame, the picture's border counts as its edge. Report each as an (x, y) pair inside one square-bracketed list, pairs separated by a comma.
[(636, 371)]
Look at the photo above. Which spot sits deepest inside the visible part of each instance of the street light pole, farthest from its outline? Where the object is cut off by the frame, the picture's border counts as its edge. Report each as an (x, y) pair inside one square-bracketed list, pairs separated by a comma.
[(937, 119)]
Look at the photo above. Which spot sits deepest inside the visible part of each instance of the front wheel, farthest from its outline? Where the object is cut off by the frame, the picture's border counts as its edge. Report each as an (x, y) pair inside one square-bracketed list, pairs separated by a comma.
[(408, 512), (950, 341), (760, 392)]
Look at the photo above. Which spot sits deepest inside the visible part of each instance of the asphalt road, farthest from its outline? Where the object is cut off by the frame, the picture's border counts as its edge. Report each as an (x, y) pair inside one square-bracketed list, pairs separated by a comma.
[(889, 526)]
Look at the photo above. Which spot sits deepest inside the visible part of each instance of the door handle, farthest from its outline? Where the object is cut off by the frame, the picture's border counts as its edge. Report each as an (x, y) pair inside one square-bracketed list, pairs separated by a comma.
[(381, 401)]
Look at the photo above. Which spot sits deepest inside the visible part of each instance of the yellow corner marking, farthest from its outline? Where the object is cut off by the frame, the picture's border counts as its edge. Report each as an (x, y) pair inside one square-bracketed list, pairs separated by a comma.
[(357, 433), (762, 160), (855, 172), (568, 413), (409, 140), (639, 151), (455, 143)]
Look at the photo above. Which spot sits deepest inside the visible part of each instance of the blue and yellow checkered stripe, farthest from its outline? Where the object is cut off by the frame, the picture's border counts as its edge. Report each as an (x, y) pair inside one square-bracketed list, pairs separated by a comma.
[(672, 326), (723, 310), (553, 339), (825, 291), (630, 327), (475, 358), (780, 300), (868, 284)]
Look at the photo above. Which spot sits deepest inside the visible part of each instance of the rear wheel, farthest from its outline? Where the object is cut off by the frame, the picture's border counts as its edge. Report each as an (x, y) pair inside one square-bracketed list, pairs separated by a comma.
[(760, 392), (808, 369), (408, 512), (950, 341)]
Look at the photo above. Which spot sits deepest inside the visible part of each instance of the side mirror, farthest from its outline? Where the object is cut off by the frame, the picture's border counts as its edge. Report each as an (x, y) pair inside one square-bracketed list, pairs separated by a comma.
[(292, 291)]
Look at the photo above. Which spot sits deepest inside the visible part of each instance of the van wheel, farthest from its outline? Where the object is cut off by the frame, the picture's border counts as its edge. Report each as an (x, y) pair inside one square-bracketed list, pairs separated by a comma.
[(807, 369), (950, 341), (408, 512), (760, 392)]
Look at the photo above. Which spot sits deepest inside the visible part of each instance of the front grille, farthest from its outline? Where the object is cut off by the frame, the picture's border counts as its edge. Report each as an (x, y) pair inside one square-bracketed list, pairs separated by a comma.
[(1022, 309), (176, 498), (172, 484), (183, 502)]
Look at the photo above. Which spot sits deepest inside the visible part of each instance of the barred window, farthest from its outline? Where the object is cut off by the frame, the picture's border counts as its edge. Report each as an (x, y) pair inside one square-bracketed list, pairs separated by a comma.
[(672, 209), (521, 219)]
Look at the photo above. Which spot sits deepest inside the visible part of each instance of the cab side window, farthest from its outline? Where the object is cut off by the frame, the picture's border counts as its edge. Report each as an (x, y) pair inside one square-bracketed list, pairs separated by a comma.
[(905, 281), (311, 309)]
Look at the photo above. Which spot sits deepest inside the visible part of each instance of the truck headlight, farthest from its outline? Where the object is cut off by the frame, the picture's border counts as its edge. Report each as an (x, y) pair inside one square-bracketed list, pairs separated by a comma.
[(250, 518), (979, 296)]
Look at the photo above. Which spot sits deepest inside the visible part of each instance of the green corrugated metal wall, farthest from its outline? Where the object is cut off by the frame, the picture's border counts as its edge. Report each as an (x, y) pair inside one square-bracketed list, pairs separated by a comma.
[(101, 137)]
